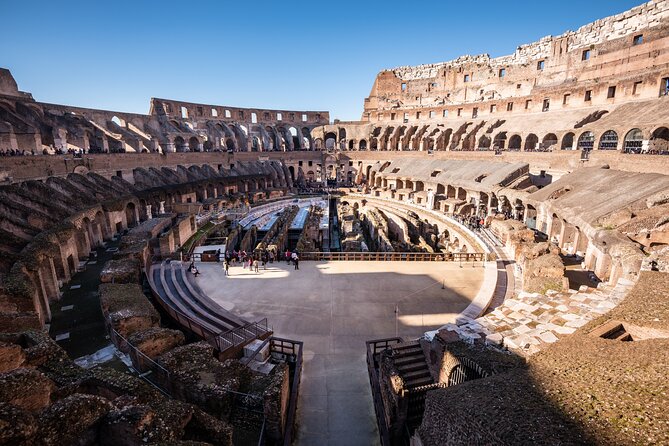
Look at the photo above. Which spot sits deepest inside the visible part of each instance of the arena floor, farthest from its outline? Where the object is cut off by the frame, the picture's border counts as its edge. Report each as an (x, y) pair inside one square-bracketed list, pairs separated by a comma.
[(334, 307)]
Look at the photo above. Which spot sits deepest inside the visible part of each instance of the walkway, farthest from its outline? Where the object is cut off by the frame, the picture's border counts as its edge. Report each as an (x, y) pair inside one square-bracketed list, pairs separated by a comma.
[(77, 323), (334, 307)]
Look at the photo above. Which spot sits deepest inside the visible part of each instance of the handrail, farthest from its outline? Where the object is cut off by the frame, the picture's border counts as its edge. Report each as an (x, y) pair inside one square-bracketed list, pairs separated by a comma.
[(396, 256)]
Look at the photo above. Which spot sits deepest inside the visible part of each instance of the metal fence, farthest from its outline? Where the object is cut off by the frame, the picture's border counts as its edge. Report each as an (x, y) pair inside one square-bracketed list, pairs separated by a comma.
[(241, 335), (396, 256)]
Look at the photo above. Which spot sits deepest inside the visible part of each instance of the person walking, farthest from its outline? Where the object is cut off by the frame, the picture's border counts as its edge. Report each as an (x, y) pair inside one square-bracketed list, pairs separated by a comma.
[(255, 265), (226, 267), (296, 261)]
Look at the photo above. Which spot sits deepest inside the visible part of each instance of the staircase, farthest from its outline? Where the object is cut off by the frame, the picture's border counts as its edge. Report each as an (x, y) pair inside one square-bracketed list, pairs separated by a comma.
[(410, 362)]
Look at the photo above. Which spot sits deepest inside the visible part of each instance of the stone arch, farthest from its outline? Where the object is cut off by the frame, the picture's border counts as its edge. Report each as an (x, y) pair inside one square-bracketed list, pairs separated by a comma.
[(659, 141), (586, 141), (179, 144), (567, 141), (548, 142), (484, 143), (351, 144), (633, 141), (131, 214), (515, 143), (531, 142), (362, 145), (330, 139), (608, 141), (194, 144), (499, 142)]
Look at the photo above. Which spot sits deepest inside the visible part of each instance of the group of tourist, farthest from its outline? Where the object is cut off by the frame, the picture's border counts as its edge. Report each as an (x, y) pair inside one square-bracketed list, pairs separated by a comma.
[(74, 152), (253, 261), (12, 152), (471, 221)]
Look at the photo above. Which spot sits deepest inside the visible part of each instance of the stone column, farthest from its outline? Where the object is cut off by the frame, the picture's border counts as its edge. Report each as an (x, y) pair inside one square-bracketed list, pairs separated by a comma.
[(161, 210), (430, 199), (149, 215)]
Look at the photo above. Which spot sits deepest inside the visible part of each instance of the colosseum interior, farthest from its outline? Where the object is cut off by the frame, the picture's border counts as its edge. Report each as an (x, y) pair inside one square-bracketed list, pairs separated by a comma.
[(482, 258)]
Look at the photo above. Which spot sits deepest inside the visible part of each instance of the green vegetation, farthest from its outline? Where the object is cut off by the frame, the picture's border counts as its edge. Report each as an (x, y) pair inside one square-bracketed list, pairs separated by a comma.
[(195, 238)]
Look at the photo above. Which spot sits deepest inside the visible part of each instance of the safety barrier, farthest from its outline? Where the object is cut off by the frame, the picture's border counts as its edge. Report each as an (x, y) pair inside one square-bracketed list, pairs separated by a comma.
[(395, 256)]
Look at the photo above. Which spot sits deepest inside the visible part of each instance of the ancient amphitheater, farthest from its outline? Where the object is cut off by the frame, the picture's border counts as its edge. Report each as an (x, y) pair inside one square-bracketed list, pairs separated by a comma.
[(482, 259)]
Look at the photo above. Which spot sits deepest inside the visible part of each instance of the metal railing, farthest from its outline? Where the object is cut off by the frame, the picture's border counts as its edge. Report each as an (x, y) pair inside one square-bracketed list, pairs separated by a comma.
[(375, 347), (292, 349), (240, 335), (395, 256), (147, 369)]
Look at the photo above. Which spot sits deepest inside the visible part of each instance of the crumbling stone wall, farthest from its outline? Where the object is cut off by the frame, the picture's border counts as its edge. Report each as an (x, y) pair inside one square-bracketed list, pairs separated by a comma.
[(126, 310)]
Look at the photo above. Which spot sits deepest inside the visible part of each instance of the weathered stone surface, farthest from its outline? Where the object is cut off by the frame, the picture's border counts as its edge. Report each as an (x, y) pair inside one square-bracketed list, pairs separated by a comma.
[(127, 309), (11, 356), (201, 379), (17, 427), (26, 389), (73, 420)]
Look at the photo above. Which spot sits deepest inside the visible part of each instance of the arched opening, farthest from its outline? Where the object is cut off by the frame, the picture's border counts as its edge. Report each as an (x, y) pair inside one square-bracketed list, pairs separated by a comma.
[(116, 120), (608, 141), (514, 142), (351, 144), (330, 141), (179, 144), (363, 145), (130, 214), (230, 144), (568, 142), (586, 141), (461, 373), (194, 144), (633, 141), (659, 142), (499, 143), (484, 143), (531, 142), (296, 140), (342, 134), (310, 175), (255, 144), (549, 142), (208, 146)]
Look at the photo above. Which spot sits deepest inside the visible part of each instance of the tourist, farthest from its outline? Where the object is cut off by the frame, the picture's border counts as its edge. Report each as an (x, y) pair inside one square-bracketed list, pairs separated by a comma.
[(255, 265), (296, 261), (226, 267)]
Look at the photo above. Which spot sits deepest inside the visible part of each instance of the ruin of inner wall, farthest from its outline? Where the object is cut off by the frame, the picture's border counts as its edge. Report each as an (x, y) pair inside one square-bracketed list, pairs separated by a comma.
[(647, 15)]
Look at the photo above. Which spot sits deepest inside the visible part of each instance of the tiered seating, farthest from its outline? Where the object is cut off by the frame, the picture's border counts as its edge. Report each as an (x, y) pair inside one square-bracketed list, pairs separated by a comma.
[(186, 302)]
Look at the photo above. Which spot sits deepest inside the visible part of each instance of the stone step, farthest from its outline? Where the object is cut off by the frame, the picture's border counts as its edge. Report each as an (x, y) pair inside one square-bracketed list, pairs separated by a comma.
[(407, 352), (412, 367), (404, 360), (419, 382), (417, 374)]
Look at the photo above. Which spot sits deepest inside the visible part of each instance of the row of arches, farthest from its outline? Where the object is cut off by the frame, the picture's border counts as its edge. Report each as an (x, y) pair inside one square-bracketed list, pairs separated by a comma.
[(238, 138), (464, 139)]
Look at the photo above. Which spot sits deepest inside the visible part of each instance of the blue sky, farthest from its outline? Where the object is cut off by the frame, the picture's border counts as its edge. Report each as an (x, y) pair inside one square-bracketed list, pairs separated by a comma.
[(292, 55)]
